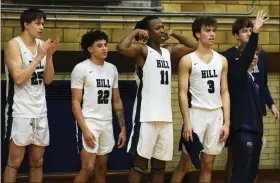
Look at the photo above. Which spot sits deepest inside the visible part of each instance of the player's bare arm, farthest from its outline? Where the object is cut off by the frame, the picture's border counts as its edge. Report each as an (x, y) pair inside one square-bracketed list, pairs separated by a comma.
[(118, 108), (49, 70), (184, 74), (14, 61), (225, 100), (77, 95), (179, 50), (127, 48)]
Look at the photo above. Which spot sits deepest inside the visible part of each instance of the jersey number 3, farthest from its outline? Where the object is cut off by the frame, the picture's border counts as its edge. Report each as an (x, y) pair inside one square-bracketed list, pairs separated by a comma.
[(162, 80), (103, 96), (211, 88)]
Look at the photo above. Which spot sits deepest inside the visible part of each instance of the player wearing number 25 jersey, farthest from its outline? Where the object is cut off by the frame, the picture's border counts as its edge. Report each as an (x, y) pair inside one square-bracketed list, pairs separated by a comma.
[(28, 66)]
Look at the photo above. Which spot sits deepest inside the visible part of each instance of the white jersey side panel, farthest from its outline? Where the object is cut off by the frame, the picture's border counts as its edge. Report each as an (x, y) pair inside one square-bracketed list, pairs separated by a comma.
[(29, 100), (97, 83), (154, 91), (205, 81)]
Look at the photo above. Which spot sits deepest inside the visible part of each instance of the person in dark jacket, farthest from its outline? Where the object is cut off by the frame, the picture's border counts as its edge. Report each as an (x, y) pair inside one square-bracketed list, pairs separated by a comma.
[(241, 29), (246, 110)]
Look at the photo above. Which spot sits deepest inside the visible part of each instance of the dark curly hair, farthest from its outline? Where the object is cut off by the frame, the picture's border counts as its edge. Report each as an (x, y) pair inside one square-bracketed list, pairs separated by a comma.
[(30, 15), (200, 21), (90, 37)]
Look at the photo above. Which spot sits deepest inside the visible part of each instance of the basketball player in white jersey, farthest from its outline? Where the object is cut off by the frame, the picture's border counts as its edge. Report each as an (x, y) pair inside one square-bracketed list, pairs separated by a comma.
[(204, 74), (29, 66), (98, 80), (152, 134)]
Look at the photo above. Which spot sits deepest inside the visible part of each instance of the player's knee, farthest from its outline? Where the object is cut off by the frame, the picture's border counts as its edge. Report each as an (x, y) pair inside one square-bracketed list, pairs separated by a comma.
[(140, 164), (157, 166), (14, 162), (185, 163), (36, 162), (102, 169), (88, 169), (207, 165)]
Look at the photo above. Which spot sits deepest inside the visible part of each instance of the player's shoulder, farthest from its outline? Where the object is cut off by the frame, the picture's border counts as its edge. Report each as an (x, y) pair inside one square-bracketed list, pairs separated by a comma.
[(13, 43), (82, 65), (110, 66), (186, 60), (222, 57)]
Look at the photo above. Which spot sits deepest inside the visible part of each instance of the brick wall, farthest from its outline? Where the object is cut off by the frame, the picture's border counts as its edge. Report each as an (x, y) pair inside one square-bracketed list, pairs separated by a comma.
[(70, 33)]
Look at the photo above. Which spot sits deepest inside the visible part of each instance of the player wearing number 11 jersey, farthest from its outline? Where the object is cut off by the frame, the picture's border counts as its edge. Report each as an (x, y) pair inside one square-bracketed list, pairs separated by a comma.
[(94, 82), (152, 134)]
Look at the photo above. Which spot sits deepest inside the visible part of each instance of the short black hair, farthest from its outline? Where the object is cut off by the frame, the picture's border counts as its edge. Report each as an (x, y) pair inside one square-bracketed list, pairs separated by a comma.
[(30, 15), (241, 23), (200, 21), (90, 37), (144, 23)]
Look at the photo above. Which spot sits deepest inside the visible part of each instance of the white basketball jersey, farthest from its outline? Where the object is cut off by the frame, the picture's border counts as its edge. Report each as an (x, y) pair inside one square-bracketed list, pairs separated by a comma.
[(27, 101), (153, 101), (97, 83), (205, 80)]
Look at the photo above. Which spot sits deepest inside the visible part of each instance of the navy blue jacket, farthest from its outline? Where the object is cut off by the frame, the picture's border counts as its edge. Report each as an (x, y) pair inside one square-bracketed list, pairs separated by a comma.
[(260, 75), (246, 106)]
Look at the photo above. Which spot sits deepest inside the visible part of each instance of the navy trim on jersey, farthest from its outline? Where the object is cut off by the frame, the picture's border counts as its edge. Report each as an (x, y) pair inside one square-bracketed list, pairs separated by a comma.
[(79, 138), (10, 102), (137, 123)]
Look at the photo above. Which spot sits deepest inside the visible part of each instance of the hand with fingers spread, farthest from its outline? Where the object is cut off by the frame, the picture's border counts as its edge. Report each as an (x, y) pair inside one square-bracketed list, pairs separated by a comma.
[(43, 49), (52, 48), (143, 35), (187, 131), (122, 139), (89, 138), (224, 132), (260, 19)]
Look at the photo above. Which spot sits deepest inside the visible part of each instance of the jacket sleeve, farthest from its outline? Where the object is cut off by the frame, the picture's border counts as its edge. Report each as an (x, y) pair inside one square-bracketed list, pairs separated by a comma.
[(244, 62), (267, 96)]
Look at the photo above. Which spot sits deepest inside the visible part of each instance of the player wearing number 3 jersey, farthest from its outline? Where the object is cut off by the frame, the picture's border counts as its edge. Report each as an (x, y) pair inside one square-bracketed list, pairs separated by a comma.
[(94, 82), (203, 74), (152, 134)]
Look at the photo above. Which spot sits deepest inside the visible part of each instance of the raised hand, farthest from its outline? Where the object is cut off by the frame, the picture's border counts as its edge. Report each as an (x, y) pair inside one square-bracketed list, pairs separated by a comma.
[(142, 34), (43, 49), (260, 19), (168, 34), (52, 47)]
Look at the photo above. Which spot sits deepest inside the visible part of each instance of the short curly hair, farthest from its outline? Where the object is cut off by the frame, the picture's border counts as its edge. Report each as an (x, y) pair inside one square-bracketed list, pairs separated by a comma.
[(200, 21), (90, 37)]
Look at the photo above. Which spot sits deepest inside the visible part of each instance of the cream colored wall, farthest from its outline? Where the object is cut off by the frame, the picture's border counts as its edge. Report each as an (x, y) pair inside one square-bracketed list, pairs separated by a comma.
[(70, 33)]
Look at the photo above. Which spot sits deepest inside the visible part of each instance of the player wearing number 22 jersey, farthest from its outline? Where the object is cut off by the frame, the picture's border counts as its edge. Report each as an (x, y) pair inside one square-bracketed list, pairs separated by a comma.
[(94, 83)]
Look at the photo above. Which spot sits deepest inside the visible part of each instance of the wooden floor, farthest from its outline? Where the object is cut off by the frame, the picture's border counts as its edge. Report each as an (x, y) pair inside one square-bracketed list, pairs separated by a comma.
[(265, 176)]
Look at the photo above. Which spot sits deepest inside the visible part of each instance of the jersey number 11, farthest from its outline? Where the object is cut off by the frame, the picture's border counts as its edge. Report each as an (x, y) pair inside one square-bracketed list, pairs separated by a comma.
[(162, 80)]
